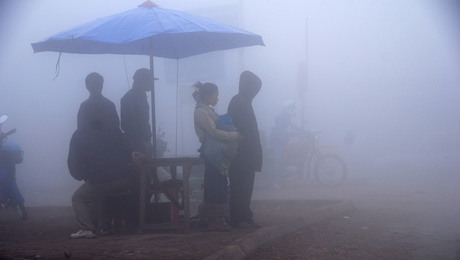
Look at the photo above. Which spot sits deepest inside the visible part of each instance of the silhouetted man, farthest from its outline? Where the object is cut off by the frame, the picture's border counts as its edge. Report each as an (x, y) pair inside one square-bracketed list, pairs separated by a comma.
[(97, 107), (135, 112)]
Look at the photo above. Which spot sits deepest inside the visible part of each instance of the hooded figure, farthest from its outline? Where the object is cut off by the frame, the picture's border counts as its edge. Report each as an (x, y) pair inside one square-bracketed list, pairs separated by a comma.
[(248, 159)]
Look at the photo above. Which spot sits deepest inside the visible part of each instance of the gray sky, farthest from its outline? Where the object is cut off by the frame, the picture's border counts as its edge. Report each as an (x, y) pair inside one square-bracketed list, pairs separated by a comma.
[(386, 69)]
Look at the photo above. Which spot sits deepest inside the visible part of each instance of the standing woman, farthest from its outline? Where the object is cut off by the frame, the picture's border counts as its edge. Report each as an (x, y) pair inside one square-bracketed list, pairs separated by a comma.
[(215, 183)]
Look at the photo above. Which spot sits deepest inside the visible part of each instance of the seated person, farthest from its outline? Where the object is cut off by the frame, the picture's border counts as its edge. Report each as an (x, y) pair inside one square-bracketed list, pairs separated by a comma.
[(99, 156)]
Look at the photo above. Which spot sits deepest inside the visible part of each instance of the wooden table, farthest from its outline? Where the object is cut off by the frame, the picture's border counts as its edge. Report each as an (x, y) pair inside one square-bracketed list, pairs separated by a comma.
[(150, 166)]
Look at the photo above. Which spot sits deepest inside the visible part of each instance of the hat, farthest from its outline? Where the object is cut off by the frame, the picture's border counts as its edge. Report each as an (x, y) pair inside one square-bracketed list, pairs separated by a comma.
[(143, 75)]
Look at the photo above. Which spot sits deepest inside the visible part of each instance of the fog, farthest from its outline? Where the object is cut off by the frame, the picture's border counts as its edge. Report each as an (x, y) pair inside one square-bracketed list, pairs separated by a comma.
[(388, 71)]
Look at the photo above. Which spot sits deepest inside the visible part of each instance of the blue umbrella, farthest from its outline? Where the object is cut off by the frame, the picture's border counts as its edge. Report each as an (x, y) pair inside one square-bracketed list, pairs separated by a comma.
[(146, 29), (149, 30)]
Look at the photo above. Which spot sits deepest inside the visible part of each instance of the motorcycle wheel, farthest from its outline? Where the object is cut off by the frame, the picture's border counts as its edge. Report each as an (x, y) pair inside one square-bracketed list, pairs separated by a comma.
[(21, 211), (330, 170)]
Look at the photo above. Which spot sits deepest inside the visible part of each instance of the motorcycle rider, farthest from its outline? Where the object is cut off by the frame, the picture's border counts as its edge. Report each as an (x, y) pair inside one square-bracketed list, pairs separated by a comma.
[(281, 134), (2, 135), (10, 155)]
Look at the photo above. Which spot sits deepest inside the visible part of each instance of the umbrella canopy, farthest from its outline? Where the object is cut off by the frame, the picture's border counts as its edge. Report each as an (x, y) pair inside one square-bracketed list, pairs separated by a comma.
[(149, 30)]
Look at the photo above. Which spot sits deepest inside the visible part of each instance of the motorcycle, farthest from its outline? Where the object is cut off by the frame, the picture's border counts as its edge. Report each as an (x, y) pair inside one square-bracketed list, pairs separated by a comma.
[(10, 155), (306, 155)]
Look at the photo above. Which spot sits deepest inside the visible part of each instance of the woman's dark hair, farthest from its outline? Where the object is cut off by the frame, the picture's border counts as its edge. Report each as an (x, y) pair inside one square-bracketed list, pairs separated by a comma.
[(203, 90)]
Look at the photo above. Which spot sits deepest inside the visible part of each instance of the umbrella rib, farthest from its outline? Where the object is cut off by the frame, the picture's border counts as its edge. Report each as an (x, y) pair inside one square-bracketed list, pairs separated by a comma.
[(152, 40), (167, 29)]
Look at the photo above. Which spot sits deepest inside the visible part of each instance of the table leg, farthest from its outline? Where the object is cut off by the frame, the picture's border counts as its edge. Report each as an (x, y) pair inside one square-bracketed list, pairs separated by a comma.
[(185, 179), (142, 183)]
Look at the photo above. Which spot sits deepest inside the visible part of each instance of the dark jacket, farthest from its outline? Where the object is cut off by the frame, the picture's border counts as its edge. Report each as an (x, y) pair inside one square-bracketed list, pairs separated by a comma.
[(135, 116), (98, 108), (98, 157), (244, 119)]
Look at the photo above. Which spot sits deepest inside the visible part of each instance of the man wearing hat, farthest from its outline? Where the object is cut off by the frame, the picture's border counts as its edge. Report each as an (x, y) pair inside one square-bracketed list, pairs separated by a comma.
[(135, 112)]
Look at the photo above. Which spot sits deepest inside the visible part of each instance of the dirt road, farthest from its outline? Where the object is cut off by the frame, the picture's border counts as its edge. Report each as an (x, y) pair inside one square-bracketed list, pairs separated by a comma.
[(398, 217), (45, 235)]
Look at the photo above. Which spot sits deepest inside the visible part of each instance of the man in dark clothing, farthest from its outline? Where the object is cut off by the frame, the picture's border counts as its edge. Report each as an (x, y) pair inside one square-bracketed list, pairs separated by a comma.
[(97, 106), (101, 158), (135, 112), (248, 159)]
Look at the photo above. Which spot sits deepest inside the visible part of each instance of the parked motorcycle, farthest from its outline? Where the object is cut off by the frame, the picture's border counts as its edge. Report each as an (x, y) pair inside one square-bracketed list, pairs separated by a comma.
[(10, 155)]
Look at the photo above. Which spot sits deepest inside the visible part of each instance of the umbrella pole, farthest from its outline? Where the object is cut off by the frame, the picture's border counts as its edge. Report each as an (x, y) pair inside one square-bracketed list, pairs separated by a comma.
[(177, 98), (152, 99)]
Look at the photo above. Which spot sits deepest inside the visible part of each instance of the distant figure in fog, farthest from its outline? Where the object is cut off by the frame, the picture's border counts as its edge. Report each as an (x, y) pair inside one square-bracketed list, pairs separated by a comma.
[(215, 195), (97, 107), (99, 156), (248, 159), (135, 112), (280, 135), (349, 138)]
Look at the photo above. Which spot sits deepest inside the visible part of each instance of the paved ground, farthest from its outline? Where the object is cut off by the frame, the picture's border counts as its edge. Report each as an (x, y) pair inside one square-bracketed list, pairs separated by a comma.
[(400, 215), (357, 235), (45, 234)]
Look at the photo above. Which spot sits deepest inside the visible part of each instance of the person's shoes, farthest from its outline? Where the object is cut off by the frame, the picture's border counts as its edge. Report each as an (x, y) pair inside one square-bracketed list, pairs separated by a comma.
[(83, 234), (279, 186), (255, 225), (245, 224), (218, 228), (104, 232)]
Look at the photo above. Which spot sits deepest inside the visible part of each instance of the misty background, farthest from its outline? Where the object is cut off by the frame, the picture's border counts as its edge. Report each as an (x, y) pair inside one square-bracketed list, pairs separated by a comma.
[(388, 71)]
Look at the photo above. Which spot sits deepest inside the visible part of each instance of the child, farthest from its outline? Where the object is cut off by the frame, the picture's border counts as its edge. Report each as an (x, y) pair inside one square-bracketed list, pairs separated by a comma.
[(221, 153)]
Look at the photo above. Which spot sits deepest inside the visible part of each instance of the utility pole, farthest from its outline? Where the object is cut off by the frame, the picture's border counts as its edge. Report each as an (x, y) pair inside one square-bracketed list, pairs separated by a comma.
[(241, 25), (302, 80)]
